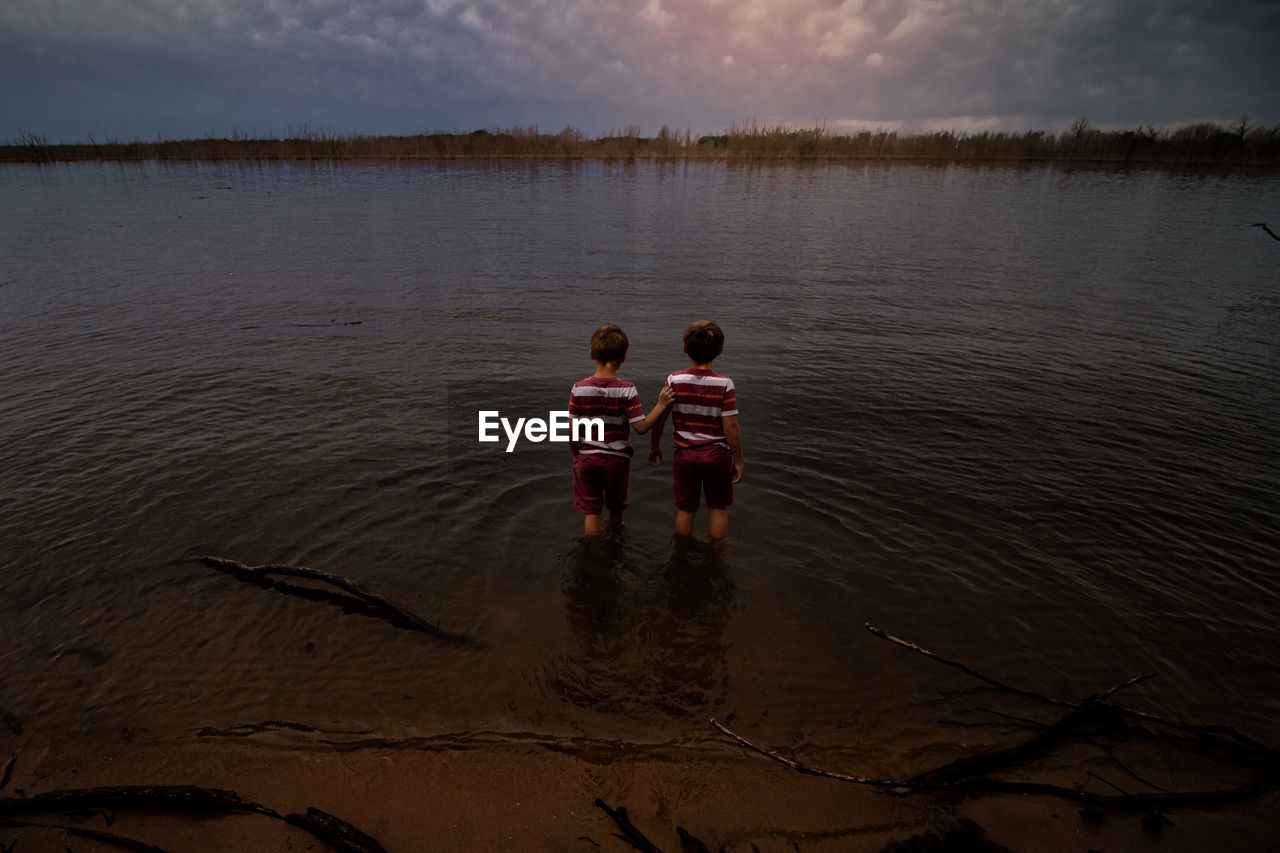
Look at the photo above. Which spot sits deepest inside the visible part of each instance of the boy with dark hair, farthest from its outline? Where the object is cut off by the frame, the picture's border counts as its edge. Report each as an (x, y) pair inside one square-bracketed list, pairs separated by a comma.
[(602, 468), (708, 442)]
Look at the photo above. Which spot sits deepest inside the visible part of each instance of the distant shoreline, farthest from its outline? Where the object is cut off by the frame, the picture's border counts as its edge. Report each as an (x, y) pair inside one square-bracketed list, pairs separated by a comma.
[(1196, 145)]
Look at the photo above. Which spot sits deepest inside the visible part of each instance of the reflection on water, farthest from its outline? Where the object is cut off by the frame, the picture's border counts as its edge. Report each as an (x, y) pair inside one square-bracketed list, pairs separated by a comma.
[(649, 638)]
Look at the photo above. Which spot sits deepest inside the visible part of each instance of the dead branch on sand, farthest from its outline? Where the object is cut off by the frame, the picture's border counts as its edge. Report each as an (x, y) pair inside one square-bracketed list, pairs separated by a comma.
[(333, 831), (637, 839), (110, 839), (372, 603), (972, 774), (629, 833)]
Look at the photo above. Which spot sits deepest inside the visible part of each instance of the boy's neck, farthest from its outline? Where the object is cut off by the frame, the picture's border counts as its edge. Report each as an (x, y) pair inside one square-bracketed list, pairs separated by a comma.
[(607, 369), (693, 364)]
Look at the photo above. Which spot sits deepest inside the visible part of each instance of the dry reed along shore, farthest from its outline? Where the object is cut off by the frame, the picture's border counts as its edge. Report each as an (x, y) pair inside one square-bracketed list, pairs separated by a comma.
[(1197, 145)]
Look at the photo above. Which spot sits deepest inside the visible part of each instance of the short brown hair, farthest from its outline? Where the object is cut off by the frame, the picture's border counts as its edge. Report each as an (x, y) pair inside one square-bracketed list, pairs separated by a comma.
[(703, 341), (609, 343)]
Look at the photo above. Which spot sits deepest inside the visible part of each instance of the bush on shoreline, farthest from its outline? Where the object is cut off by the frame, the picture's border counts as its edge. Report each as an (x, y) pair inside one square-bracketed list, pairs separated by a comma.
[(1201, 144)]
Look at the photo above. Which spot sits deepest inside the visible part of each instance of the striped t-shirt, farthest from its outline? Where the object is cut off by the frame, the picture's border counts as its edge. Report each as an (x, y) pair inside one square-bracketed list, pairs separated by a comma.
[(703, 397), (616, 402)]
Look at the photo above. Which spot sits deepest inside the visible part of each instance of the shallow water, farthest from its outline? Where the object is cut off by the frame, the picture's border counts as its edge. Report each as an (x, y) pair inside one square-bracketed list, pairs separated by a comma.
[(1026, 418)]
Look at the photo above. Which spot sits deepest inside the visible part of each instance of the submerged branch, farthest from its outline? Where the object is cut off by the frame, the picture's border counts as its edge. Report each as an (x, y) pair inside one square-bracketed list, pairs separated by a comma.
[(999, 685), (971, 774), (954, 781), (378, 605), (1198, 729), (989, 762)]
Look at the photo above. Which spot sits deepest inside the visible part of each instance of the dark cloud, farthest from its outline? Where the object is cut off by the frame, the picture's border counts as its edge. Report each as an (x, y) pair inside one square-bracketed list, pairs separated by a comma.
[(69, 68)]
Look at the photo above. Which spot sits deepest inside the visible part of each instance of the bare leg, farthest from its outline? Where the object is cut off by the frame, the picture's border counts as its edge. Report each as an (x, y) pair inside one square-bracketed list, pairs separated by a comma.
[(684, 522), (615, 518), (591, 524), (717, 523)]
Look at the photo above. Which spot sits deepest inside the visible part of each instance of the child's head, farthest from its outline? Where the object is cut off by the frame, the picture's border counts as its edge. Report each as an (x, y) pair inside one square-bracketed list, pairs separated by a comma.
[(703, 341), (609, 344)]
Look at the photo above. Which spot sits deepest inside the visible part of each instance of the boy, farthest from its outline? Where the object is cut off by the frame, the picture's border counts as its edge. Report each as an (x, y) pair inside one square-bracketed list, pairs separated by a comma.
[(708, 442), (601, 469)]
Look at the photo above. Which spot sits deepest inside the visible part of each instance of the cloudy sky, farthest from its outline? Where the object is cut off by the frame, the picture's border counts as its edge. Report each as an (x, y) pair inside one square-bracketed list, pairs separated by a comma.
[(182, 68)]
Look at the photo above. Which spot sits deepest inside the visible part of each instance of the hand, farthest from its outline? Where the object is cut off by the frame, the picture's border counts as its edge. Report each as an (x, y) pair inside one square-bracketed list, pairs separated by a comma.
[(655, 456), (667, 397), (737, 472)]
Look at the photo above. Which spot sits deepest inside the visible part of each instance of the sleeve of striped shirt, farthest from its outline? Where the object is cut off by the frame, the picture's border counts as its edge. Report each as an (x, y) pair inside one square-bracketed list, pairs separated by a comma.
[(635, 412), (730, 404)]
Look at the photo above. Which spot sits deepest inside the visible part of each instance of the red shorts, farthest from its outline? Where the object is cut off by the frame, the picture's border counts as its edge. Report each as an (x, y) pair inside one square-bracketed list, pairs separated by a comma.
[(708, 468), (599, 480)]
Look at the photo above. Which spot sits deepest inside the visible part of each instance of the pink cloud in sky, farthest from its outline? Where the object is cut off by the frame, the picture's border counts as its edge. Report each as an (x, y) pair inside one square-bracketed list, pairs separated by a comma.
[(147, 67)]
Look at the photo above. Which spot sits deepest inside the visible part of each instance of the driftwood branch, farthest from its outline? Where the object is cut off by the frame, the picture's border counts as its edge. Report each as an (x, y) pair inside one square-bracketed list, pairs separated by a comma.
[(1125, 768), (935, 781), (111, 839), (333, 831), (1000, 685), (802, 768), (992, 762), (689, 843), (1198, 729), (375, 604), (629, 833), (151, 797), (1091, 709), (971, 774)]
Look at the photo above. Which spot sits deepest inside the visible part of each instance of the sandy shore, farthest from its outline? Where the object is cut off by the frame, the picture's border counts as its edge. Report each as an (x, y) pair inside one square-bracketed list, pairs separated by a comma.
[(489, 793)]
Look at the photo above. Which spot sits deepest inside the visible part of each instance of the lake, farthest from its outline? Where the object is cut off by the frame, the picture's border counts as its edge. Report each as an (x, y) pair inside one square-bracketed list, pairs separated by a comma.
[(1027, 418)]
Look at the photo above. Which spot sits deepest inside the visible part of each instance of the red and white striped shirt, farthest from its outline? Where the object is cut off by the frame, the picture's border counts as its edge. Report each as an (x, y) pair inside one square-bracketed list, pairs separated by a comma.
[(703, 397), (616, 402)]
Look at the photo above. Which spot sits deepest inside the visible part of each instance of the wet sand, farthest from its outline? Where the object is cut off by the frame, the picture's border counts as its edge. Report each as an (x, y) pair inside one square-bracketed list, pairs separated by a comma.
[(503, 793)]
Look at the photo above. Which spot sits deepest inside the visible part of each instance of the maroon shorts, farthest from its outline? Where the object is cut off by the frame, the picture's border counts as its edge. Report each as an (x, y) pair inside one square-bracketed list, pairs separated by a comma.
[(599, 480), (708, 468)]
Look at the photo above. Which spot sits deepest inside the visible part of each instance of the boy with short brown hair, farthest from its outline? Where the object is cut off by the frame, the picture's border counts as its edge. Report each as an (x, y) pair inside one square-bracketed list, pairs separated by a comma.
[(602, 469), (708, 441)]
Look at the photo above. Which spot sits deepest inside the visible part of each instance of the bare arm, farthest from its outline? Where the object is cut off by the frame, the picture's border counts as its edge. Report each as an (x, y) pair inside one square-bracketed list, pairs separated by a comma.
[(657, 414), (655, 437), (733, 436)]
